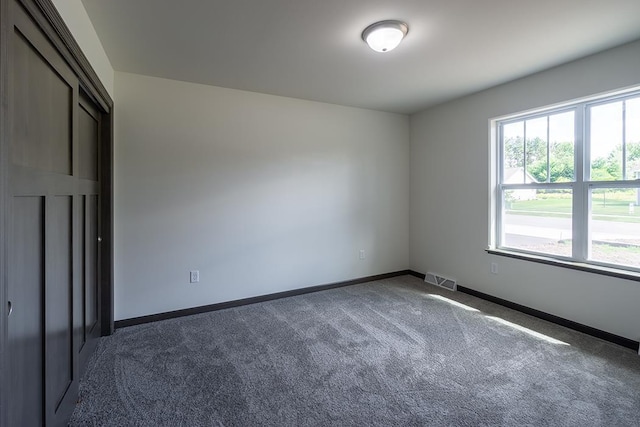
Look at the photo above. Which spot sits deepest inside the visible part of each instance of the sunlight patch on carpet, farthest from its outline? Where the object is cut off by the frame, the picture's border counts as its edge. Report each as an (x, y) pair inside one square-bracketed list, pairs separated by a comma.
[(452, 302), (528, 331)]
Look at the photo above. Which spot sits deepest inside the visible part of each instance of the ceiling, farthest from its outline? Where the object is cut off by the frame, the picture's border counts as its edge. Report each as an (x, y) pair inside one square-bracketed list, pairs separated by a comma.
[(311, 49)]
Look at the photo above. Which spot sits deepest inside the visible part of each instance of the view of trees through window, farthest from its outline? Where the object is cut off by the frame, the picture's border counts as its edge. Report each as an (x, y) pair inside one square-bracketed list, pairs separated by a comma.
[(558, 179)]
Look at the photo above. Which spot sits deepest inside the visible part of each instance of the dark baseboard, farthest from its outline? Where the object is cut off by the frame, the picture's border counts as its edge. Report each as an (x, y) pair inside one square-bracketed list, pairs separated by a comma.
[(262, 298), (616, 339), (418, 275)]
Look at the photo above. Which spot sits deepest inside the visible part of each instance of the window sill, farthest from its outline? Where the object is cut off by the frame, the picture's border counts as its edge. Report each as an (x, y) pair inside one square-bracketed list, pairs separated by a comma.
[(605, 271)]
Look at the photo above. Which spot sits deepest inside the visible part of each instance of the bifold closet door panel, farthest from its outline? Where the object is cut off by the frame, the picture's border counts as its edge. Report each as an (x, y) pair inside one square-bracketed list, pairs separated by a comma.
[(43, 186), (59, 365), (26, 284)]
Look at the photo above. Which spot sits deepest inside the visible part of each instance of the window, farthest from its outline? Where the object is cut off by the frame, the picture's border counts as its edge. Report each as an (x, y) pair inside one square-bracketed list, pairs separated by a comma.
[(568, 182)]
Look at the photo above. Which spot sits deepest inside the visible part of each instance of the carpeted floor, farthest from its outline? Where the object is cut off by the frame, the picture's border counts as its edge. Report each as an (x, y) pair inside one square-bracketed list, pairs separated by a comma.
[(384, 353)]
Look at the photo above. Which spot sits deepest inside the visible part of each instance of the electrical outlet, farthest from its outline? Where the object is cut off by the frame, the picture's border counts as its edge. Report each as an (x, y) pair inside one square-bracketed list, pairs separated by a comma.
[(494, 268), (194, 276), (361, 253)]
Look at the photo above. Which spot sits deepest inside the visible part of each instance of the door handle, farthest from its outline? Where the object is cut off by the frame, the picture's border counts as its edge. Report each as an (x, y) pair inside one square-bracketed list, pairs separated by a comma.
[(99, 239), (10, 308)]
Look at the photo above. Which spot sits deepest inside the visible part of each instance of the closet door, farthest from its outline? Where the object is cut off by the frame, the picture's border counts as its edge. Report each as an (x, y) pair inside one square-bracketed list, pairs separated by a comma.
[(87, 290), (53, 241)]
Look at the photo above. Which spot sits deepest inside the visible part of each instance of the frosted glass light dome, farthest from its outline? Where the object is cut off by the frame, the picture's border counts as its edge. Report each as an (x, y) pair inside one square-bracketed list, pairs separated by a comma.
[(385, 36)]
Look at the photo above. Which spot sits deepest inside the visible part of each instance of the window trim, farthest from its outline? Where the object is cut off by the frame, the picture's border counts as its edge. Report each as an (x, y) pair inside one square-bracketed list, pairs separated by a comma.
[(581, 188), (556, 262)]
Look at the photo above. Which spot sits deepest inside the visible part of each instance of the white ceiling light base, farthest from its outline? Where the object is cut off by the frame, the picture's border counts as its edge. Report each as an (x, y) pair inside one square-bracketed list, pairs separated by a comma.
[(385, 36)]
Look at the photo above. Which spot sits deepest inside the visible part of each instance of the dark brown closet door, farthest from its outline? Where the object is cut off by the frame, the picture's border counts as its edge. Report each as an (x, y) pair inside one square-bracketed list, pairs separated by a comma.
[(87, 324), (53, 247)]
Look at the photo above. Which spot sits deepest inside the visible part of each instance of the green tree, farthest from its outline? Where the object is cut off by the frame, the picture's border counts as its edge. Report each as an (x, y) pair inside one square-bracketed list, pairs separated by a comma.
[(613, 164), (609, 168), (514, 152), (633, 159), (561, 164), (561, 160)]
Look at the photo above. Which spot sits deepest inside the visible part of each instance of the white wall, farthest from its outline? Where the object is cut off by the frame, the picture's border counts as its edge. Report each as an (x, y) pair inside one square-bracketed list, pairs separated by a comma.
[(450, 202), (260, 193), (75, 16), (264, 194)]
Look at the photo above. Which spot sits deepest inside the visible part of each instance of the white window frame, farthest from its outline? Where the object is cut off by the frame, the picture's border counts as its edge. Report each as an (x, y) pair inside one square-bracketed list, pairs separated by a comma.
[(581, 187)]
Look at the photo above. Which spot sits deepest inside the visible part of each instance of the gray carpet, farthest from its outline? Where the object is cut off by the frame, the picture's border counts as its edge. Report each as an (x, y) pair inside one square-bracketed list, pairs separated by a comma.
[(382, 353)]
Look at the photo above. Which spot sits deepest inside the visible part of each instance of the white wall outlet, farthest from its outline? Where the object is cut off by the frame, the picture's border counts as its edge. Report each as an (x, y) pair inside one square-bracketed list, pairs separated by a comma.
[(361, 254), (194, 276), (494, 268)]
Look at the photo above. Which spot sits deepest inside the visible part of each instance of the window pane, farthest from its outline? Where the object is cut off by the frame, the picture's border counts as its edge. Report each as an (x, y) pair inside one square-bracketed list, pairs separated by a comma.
[(536, 133), (632, 129), (513, 153), (606, 142), (615, 226), (538, 221), (561, 147)]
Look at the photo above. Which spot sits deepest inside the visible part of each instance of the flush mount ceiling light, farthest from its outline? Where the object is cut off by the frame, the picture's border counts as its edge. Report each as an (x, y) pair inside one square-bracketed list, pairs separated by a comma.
[(384, 36)]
